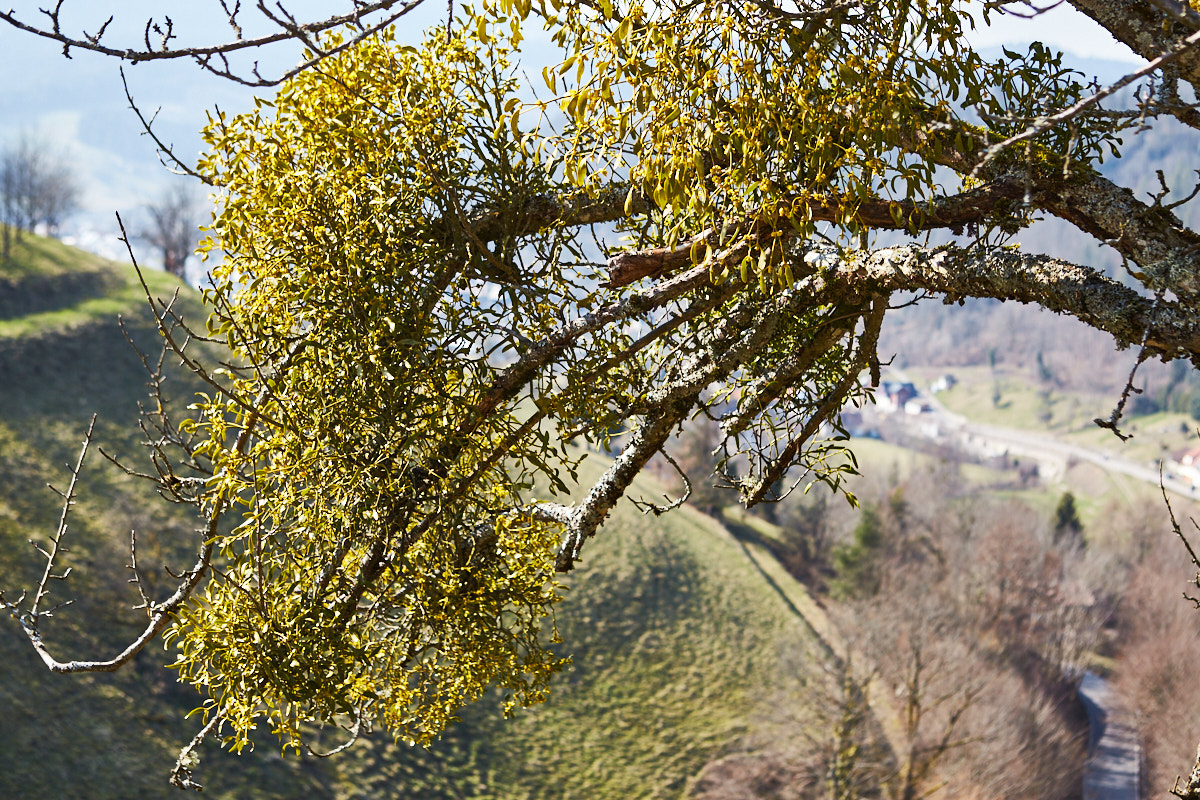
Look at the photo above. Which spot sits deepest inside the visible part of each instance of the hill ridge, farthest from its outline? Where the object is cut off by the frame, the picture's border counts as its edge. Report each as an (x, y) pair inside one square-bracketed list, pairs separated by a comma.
[(677, 642)]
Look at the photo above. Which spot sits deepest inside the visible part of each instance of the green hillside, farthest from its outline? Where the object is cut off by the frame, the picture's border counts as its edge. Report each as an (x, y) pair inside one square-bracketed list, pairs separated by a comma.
[(682, 652)]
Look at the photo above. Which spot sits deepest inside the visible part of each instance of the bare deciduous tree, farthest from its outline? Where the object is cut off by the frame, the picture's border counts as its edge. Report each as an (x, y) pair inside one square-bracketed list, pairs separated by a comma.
[(37, 187), (172, 229), (977, 631)]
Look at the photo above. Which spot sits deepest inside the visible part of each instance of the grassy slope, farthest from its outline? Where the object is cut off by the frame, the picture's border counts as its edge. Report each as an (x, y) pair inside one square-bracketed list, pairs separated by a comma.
[(676, 641), (676, 637), (104, 735)]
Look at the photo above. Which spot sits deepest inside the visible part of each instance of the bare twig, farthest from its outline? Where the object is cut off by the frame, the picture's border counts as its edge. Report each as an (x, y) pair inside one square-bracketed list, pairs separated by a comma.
[(1045, 123), (166, 152), (181, 775), (1115, 418), (204, 55), (56, 541), (136, 580), (355, 733)]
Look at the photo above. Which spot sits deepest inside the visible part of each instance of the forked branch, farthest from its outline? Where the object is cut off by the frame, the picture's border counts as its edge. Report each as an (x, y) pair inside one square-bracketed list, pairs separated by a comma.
[(31, 618), (214, 58), (57, 545)]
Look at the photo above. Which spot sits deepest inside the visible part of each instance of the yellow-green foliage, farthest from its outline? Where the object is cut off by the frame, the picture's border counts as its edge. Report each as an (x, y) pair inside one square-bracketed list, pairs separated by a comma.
[(735, 118), (382, 569), (387, 564)]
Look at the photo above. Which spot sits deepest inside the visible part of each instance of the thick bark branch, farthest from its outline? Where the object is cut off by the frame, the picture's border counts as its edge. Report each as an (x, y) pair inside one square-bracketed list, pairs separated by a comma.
[(1153, 237), (1149, 235), (570, 209), (1170, 329), (592, 510), (511, 380), (954, 212)]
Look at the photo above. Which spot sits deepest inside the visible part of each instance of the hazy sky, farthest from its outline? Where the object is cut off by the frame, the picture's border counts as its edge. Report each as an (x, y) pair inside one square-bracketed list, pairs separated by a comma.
[(77, 105), (1062, 27)]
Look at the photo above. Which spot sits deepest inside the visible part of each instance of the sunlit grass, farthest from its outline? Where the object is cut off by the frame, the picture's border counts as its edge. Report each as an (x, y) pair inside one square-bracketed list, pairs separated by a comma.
[(676, 637)]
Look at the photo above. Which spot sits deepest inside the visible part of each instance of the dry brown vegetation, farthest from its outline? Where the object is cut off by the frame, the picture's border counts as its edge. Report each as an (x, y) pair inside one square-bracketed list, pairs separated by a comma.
[(978, 618), (978, 622), (968, 621), (1160, 648)]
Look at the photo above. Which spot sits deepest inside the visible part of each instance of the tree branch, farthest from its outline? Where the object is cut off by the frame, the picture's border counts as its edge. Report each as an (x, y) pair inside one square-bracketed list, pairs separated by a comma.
[(205, 53), (1171, 330), (1147, 28), (592, 510), (1043, 124), (953, 211)]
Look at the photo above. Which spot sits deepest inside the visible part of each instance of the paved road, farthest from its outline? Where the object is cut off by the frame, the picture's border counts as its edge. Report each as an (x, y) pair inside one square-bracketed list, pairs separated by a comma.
[(1114, 751), (1040, 446)]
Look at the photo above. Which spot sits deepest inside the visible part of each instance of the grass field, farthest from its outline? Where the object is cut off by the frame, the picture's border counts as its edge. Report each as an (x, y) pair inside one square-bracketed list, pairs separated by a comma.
[(1008, 398), (682, 652), (1069, 415)]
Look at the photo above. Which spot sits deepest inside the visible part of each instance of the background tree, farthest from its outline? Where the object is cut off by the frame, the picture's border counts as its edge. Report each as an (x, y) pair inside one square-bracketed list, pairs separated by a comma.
[(980, 627), (854, 563), (36, 188), (1160, 648), (422, 324), (173, 229), (1066, 518)]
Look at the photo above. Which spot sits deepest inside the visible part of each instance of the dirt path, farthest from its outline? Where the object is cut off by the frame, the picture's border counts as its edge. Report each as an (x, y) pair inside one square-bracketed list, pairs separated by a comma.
[(1114, 751), (809, 613)]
